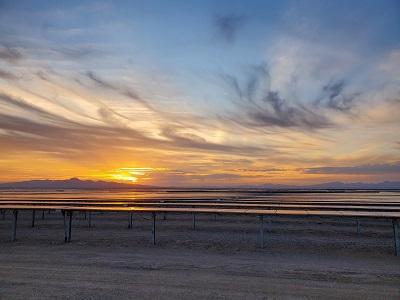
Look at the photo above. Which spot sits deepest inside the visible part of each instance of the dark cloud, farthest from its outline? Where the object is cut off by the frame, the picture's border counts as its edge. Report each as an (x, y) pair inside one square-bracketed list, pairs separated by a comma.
[(99, 81), (27, 107), (10, 54), (262, 107), (67, 141), (111, 117), (7, 75), (227, 26), (278, 112), (333, 96), (71, 140), (362, 169), (42, 75)]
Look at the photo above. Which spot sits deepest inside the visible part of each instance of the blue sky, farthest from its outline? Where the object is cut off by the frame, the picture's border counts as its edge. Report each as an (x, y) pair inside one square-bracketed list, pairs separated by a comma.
[(250, 82), (185, 40)]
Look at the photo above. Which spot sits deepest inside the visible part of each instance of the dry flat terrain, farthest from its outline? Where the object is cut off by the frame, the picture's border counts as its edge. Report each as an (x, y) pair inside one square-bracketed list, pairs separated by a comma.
[(221, 259)]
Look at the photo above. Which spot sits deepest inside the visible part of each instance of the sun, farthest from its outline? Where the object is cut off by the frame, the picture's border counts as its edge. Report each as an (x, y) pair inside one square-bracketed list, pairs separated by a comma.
[(124, 177), (130, 174)]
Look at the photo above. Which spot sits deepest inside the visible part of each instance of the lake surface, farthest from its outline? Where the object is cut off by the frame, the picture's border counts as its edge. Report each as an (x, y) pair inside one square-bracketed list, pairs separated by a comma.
[(201, 195)]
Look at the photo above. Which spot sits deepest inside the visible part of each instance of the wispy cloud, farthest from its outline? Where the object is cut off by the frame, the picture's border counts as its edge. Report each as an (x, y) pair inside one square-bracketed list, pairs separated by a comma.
[(53, 133), (7, 75), (262, 107), (228, 25), (128, 92), (27, 107), (334, 97), (361, 169), (10, 54), (95, 91), (197, 142), (78, 53)]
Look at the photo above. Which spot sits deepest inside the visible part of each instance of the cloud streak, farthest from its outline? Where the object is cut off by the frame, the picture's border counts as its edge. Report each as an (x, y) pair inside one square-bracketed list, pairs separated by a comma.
[(7, 75), (361, 169), (262, 107), (9, 54), (78, 53), (334, 97), (53, 133), (227, 26), (128, 92)]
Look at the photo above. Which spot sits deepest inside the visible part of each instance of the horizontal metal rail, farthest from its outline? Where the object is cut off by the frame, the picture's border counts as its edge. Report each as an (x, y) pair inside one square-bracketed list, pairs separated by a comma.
[(291, 212), (68, 212)]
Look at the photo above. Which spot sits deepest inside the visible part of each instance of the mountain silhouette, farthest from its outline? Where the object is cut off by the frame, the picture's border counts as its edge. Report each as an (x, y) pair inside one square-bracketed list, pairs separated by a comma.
[(72, 183), (337, 185), (76, 183)]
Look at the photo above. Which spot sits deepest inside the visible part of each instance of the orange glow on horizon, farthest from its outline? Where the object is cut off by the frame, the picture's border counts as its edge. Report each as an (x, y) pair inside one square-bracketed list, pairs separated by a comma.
[(130, 174)]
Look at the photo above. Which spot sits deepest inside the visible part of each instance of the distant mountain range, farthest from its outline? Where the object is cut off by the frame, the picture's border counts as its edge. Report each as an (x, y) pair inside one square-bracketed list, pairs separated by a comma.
[(76, 183), (337, 185), (73, 183)]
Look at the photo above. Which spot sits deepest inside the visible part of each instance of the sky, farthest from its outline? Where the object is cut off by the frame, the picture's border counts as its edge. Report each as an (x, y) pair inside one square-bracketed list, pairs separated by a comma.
[(200, 93)]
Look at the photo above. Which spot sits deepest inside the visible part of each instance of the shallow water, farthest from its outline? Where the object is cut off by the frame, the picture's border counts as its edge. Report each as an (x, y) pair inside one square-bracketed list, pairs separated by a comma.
[(251, 196)]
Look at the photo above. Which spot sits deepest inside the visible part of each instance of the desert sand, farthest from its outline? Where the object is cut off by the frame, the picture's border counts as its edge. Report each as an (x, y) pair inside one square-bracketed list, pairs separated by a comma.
[(303, 258)]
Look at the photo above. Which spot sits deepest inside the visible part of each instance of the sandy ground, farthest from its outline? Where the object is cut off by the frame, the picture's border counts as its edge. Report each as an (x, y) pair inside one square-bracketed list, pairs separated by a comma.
[(221, 259)]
